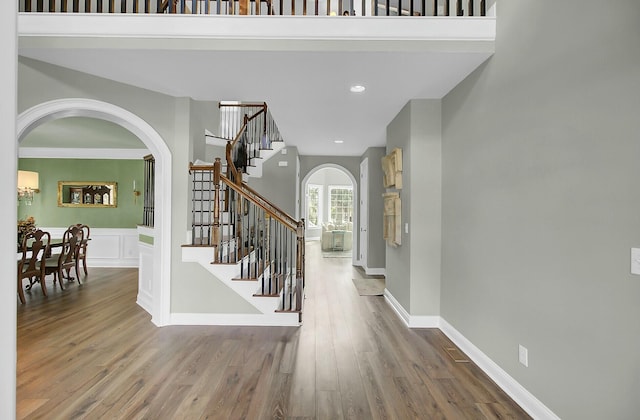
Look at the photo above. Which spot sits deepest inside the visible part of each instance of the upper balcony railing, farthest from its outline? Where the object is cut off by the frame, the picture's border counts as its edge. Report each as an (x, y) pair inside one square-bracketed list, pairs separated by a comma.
[(265, 7)]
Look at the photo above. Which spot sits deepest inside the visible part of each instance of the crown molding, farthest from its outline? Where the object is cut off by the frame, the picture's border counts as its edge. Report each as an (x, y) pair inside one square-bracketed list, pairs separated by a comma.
[(75, 153)]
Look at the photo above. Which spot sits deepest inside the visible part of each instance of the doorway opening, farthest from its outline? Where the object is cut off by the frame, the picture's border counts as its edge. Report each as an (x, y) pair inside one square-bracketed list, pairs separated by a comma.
[(330, 210), (78, 107)]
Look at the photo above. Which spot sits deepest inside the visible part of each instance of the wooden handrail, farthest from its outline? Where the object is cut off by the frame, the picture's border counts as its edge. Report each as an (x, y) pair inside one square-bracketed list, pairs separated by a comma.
[(271, 210), (237, 176), (251, 195), (284, 214), (251, 215)]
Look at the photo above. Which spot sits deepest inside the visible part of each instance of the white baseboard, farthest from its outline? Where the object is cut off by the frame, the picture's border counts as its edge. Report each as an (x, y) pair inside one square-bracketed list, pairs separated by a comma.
[(411, 321), (111, 262), (263, 320), (529, 403), (375, 271), (369, 271), (144, 301)]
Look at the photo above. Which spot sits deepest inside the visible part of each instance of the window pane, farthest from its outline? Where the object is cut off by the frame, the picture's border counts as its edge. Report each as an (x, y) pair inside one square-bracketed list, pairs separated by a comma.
[(341, 200)]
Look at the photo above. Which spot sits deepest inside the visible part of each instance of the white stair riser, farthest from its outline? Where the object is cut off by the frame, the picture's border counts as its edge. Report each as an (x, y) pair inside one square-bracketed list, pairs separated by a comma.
[(225, 273)]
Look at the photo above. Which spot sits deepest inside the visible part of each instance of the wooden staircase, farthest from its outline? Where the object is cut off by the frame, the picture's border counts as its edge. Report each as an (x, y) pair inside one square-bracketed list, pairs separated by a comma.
[(244, 240)]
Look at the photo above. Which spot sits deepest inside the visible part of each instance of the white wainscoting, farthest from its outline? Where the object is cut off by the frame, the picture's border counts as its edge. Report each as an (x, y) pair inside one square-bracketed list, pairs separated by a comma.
[(108, 247), (145, 270)]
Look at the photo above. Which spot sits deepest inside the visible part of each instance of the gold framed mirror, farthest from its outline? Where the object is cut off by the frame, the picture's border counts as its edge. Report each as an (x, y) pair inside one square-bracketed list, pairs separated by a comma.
[(87, 194)]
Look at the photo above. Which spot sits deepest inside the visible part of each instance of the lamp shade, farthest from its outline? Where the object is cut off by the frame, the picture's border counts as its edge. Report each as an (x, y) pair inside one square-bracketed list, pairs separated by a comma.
[(28, 180)]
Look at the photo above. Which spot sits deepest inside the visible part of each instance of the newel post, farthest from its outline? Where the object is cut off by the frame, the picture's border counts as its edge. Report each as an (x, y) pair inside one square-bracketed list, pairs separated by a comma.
[(299, 264), (216, 209)]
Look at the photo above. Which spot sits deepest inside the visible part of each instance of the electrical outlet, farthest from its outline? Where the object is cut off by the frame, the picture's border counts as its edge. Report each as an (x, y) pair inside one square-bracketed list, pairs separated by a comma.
[(523, 355)]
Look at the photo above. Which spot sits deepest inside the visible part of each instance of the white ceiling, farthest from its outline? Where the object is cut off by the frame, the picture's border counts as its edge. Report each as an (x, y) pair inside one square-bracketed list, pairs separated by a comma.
[(307, 91)]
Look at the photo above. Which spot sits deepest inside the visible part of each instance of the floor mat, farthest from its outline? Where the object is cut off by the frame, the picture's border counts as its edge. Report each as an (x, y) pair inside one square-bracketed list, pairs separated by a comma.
[(369, 287)]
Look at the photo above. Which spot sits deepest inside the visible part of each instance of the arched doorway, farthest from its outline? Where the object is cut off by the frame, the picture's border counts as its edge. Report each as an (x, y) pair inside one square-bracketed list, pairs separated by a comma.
[(80, 107), (324, 189)]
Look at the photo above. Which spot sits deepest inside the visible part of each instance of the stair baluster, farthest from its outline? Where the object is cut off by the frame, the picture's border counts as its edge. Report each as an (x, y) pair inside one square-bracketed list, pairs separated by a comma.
[(243, 227)]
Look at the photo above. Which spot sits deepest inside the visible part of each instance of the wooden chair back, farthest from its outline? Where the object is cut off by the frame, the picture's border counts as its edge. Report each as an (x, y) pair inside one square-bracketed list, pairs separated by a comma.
[(34, 247), (82, 249), (71, 242), (64, 261)]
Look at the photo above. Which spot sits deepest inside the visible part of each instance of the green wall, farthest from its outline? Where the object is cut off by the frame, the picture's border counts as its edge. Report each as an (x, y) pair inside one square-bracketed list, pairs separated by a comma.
[(45, 208)]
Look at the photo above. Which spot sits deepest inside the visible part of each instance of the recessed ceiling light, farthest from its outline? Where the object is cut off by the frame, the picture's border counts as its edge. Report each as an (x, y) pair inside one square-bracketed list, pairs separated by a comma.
[(338, 141), (357, 89)]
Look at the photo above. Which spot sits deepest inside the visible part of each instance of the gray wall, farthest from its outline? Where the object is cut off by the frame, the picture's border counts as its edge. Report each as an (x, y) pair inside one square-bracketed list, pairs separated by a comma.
[(541, 204), (425, 186), (398, 259), (375, 242), (413, 268), (180, 122), (350, 163), (279, 183)]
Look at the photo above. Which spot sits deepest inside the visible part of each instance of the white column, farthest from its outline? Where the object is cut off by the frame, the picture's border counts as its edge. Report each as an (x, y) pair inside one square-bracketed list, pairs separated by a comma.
[(8, 161)]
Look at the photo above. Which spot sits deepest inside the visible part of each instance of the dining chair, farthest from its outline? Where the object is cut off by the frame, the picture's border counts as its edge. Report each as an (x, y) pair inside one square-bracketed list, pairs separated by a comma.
[(33, 248), (59, 263), (82, 249)]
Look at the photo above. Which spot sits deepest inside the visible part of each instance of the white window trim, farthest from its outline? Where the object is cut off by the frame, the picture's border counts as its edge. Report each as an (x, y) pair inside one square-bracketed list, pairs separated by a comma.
[(320, 206)]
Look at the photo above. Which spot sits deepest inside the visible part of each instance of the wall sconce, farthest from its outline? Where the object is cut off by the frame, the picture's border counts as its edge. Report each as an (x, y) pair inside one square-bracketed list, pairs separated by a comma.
[(136, 193), (27, 185)]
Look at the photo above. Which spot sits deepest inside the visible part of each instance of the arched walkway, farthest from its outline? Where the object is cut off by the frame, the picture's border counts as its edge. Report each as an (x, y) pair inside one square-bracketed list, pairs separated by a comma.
[(354, 205), (80, 107)]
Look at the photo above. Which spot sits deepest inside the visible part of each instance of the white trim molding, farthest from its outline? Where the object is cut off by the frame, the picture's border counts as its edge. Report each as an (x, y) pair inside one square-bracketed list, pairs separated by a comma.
[(412, 321), (145, 276), (261, 320), (529, 403), (375, 271), (108, 247), (86, 153), (222, 32)]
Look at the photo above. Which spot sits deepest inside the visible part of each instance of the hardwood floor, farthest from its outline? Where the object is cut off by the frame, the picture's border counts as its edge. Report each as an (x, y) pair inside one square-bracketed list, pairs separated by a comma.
[(90, 352)]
